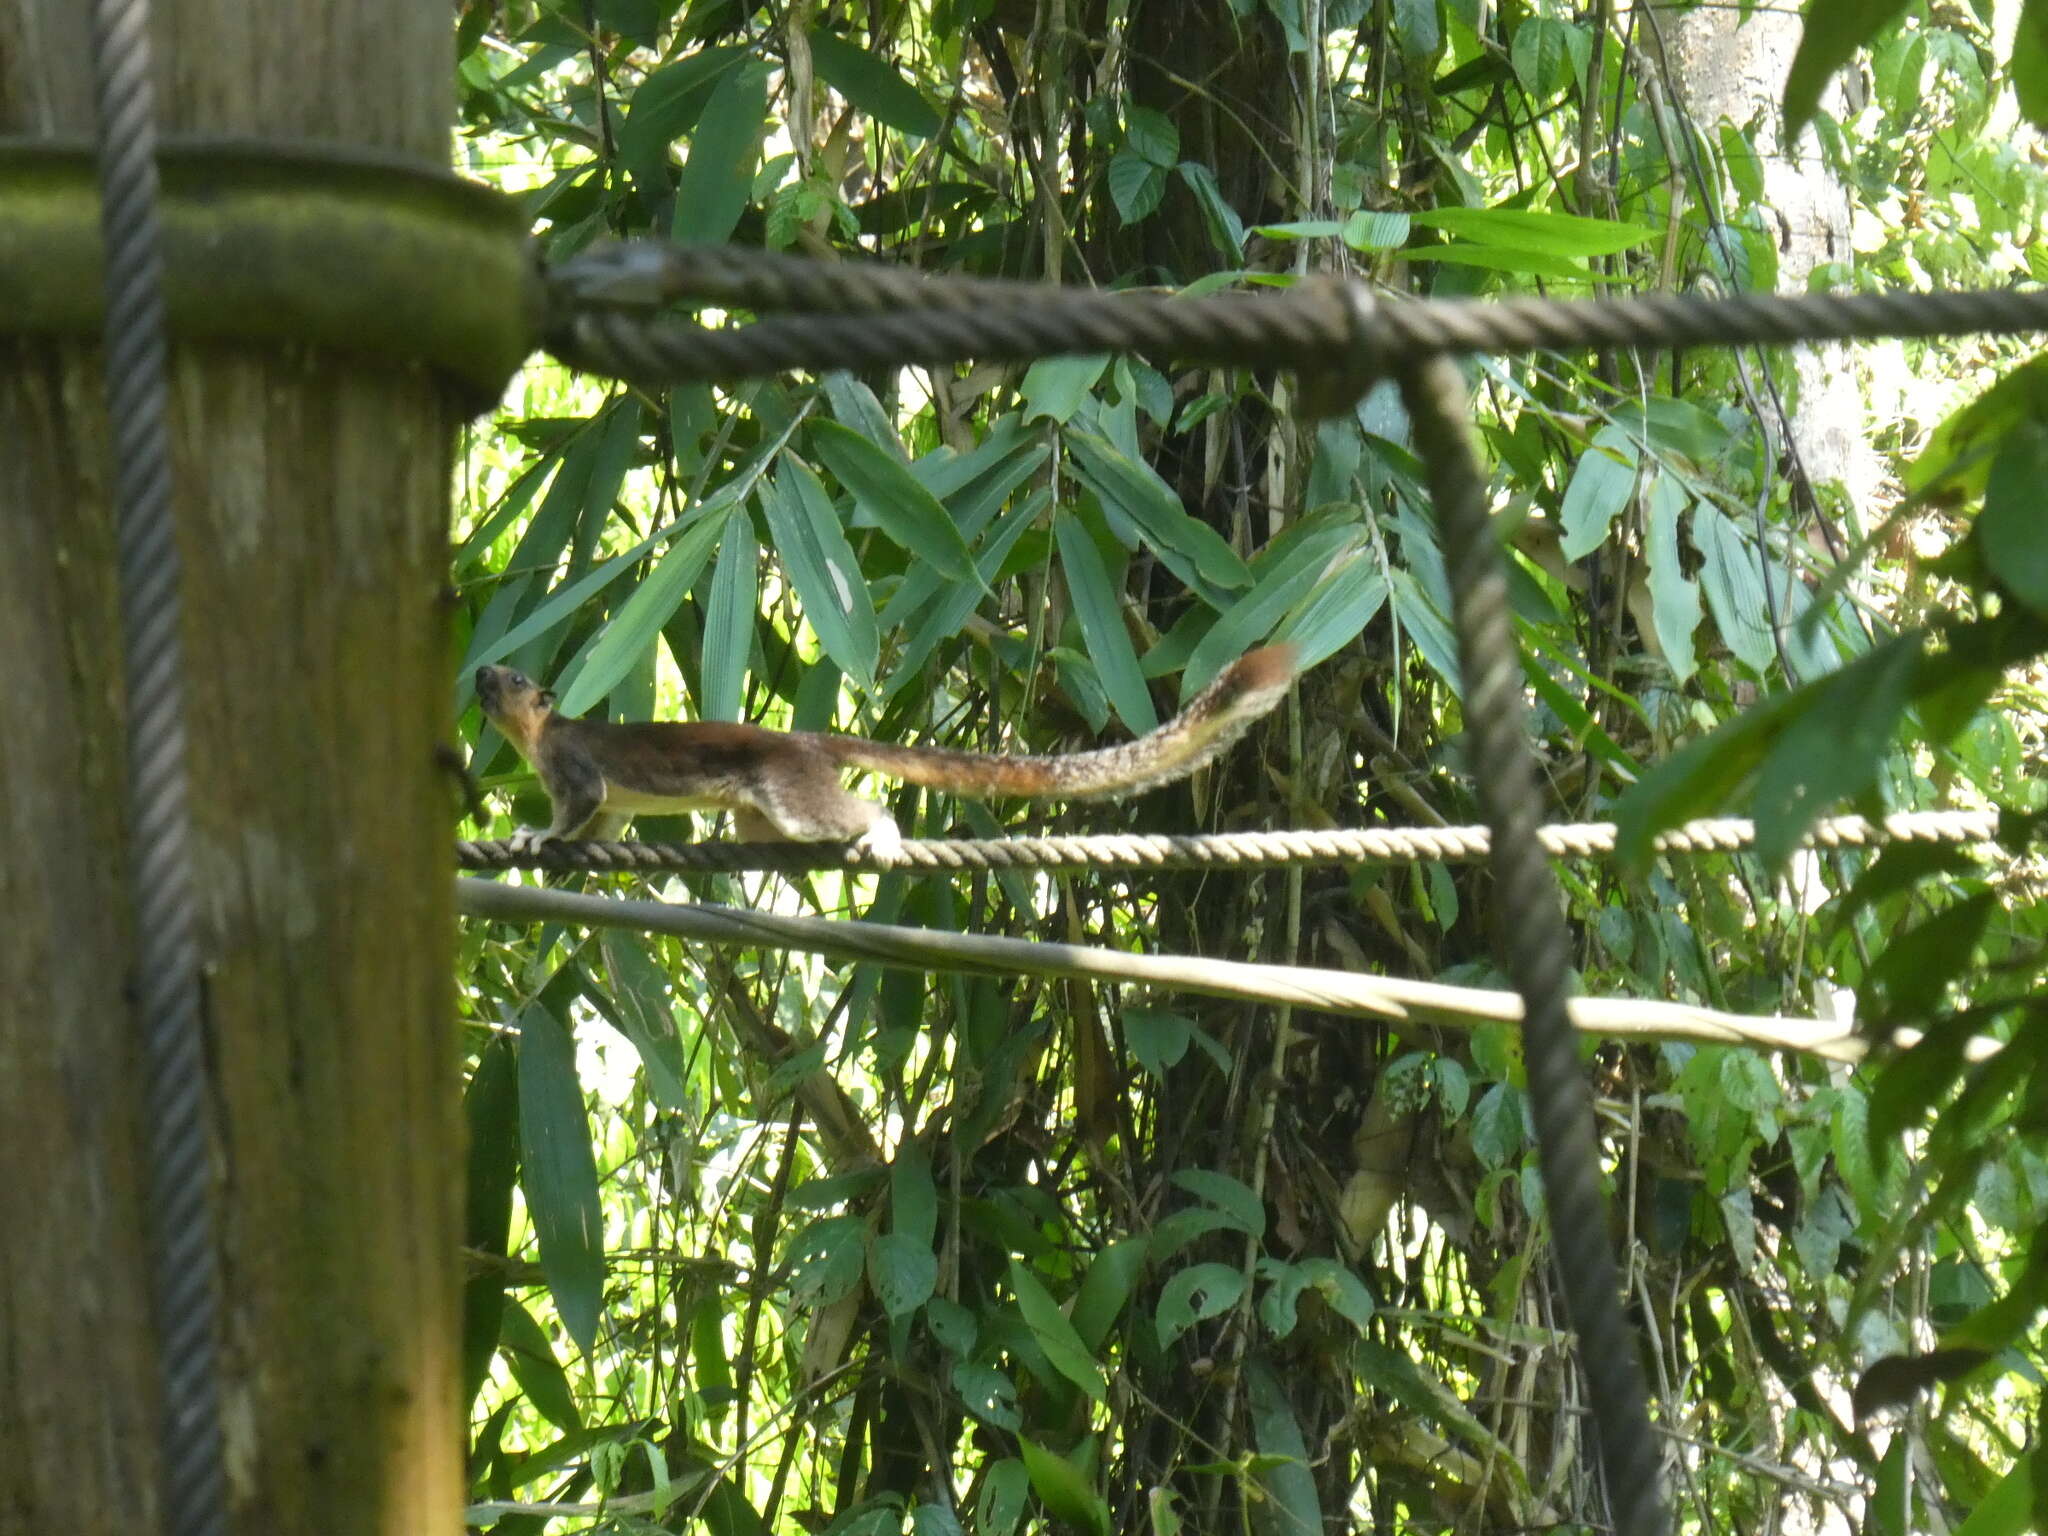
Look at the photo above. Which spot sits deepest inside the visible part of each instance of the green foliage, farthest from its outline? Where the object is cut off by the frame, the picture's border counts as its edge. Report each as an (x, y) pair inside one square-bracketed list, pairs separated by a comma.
[(761, 1243)]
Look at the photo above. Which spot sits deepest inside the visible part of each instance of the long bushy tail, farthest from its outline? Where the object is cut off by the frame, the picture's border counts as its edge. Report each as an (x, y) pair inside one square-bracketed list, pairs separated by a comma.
[(1214, 718)]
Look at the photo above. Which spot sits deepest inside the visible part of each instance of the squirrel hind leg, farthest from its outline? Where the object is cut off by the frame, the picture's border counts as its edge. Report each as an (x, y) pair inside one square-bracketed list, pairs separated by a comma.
[(817, 808)]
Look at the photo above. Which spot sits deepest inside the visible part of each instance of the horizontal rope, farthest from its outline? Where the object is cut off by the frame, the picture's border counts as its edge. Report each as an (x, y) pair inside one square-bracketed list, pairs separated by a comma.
[(867, 316), (1221, 850)]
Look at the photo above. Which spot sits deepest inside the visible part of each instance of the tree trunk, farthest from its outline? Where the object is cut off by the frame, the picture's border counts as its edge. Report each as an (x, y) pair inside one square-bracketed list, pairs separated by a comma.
[(311, 493), (1726, 64)]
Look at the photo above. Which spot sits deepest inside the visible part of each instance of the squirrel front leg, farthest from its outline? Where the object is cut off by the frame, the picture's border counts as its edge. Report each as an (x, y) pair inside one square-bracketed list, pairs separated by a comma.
[(575, 786)]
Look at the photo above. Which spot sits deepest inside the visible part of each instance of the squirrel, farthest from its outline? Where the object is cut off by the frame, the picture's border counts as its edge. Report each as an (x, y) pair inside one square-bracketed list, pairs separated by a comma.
[(785, 785)]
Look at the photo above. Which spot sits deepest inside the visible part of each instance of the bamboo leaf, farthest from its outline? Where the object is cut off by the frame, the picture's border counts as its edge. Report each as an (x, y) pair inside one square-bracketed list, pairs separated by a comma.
[(729, 617), (1102, 625), (560, 1173), (804, 526), (887, 490)]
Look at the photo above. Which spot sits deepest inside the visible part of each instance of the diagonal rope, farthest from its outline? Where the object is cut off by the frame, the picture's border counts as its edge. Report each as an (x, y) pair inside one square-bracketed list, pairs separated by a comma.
[(1535, 949)]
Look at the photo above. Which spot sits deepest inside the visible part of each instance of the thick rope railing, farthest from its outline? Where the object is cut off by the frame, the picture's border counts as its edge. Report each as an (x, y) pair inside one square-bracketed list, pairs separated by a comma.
[(1535, 947), (1336, 332), (1216, 850), (184, 1263)]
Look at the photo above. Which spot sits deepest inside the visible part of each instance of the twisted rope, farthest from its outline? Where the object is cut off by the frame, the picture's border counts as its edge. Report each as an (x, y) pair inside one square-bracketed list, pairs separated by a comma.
[(1222, 850), (1535, 949), (183, 1262), (866, 316)]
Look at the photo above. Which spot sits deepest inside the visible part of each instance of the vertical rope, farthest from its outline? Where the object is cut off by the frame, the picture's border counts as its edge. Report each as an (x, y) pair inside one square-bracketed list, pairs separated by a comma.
[(1534, 947), (184, 1263)]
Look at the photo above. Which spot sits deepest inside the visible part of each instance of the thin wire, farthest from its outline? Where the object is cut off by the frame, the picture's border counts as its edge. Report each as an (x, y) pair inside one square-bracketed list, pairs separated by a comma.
[(184, 1263)]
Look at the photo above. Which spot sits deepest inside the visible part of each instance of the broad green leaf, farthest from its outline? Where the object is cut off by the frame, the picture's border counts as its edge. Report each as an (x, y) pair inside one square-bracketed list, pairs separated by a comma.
[(490, 1112), (1106, 1289), (1732, 578), (1282, 1471), (730, 613), (804, 526), (1337, 610), (1956, 464), (825, 1260), (872, 84), (1001, 1502), (1055, 387), (560, 1173), (1699, 779), (639, 620), (913, 1197), (1153, 135), (1190, 548), (1172, 1233), (1834, 30), (1548, 55), (1100, 616), (1226, 229), (539, 549), (890, 494), (2029, 71), (1377, 230), (1157, 1038), (665, 106), (1601, 487), (1336, 1284), (989, 1395), (934, 1520), (1231, 1196), (2010, 1509), (518, 496), (1832, 745), (534, 1366), (718, 178), (1136, 185), (1277, 588), (1674, 597), (1427, 629), (1194, 1295), (1067, 1495), (1676, 427), (945, 612), (1302, 229), (1744, 165), (1419, 28), (639, 995), (903, 1271), (1497, 1126), (1055, 1335), (855, 407), (954, 1326), (2014, 532), (1501, 258), (638, 19)]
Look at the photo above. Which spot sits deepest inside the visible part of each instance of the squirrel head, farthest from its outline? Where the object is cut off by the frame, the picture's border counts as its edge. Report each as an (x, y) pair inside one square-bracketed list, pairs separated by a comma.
[(516, 704)]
